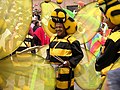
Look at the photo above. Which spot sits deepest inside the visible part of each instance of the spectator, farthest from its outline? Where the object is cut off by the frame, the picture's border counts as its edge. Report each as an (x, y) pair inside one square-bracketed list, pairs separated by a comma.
[(36, 26), (40, 37)]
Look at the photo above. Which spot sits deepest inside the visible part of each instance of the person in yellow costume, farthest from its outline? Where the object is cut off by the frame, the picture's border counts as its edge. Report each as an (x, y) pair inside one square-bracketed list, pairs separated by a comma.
[(64, 50), (112, 46)]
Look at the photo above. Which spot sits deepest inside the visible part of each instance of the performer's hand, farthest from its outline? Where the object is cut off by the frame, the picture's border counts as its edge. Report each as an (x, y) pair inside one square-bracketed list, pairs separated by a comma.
[(66, 63)]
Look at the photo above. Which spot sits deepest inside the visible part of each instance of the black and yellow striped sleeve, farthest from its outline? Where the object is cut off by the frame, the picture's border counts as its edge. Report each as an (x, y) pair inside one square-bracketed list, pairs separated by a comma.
[(110, 55)]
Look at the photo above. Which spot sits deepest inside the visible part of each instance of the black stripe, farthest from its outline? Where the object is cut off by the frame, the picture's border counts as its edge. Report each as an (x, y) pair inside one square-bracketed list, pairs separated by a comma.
[(52, 26), (71, 19), (107, 1), (76, 28), (71, 88), (115, 12), (65, 77), (61, 45), (111, 5), (52, 44), (67, 28), (101, 3)]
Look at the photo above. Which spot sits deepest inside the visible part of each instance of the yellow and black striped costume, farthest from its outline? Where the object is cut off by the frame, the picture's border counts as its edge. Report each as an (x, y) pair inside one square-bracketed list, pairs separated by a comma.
[(111, 51), (111, 9), (67, 48)]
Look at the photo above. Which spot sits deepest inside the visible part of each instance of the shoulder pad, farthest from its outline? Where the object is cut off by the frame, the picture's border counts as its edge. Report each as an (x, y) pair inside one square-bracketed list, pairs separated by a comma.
[(53, 37), (115, 36), (71, 39)]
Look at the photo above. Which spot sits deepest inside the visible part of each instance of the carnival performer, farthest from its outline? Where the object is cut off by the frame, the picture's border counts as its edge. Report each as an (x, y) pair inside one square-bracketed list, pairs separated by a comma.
[(111, 55), (112, 45), (64, 50)]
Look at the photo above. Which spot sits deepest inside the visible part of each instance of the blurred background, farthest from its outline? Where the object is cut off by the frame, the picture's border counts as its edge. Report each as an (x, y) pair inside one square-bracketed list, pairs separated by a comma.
[(64, 4)]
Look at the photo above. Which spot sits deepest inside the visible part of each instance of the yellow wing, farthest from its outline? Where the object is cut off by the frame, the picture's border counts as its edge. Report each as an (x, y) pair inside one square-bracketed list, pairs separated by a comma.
[(85, 74), (15, 19), (26, 70), (47, 9), (88, 20)]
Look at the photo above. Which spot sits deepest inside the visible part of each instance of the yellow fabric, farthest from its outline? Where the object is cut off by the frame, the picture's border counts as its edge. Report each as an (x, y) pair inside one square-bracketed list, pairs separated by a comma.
[(69, 37), (69, 25), (116, 65), (59, 1), (64, 84), (103, 48), (3, 25), (47, 0), (61, 15), (103, 78), (114, 19), (52, 30), (115, 36), (1, 80), (105, 70), (26, 87), (72, 26), (60, 52), (104, 85), (77, 70), (47, 9), (63, 40), (111, 2), (17, 88), (101, 1), (64, 70), (87, 78), (12, 34), (54, 13), (53, 36), (55, 63)]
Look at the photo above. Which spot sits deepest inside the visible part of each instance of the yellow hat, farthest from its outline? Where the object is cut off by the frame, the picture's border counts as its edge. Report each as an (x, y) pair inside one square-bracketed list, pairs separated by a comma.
[(47, 1), (59, 1), (60, 16)]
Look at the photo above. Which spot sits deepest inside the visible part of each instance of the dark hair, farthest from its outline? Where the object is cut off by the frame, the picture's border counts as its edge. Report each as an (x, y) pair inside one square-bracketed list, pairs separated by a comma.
[(36, 23)]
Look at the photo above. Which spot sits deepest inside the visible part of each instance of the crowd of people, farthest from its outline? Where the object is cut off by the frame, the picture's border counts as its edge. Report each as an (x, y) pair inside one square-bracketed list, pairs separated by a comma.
[(36, 30)]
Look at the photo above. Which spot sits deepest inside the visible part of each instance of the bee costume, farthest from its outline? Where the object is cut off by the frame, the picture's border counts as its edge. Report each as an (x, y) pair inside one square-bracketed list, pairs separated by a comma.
[(65, 48), (111, 9)]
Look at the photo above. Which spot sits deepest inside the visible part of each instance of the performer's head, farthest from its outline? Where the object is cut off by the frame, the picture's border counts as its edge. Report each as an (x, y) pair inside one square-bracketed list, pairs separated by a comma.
[(59, 18), (111, 9)]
